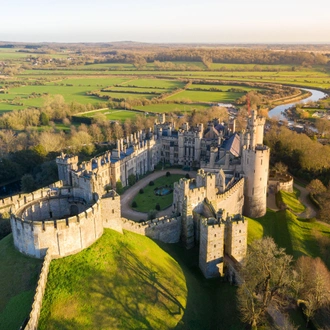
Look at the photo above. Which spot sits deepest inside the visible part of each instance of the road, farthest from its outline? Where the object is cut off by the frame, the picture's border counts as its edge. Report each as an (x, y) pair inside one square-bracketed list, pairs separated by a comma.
[(128, 195)]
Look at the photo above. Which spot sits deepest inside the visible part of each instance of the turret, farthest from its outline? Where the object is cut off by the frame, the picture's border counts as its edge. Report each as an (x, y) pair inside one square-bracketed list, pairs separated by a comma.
[(65, 164)]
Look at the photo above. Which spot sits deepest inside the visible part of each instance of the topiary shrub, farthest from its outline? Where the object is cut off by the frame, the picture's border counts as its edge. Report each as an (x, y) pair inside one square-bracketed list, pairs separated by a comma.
[(157, 207), (134, 204), (168, 173), (141, 191), (151, 183), (152, 214)]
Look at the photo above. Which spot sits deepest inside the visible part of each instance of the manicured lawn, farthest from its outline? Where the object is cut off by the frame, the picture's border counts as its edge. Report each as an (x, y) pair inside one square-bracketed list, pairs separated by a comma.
[(148, 200), (120, 282), (18, 279), (117, 114)]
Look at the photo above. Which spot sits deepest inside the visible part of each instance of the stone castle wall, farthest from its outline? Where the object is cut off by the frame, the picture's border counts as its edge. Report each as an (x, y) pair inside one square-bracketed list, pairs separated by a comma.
[(164, 229), (61, 236), (7, 203), (211, 250), (40, 290), (232, 200), (111, 214)]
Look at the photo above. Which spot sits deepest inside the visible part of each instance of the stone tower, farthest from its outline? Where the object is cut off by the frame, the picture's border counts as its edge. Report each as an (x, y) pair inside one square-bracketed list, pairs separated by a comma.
[(255, 165), (211, 248), (236, 237), (66, 163)]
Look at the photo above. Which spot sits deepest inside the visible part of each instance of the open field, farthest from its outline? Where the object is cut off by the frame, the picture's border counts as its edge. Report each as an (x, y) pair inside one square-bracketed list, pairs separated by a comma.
[(209, 97), (118, 114), (172, 107), (18, 279), (120, 282)]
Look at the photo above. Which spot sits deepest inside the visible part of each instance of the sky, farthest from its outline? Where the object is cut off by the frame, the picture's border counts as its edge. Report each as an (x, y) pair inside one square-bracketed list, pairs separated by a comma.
[(166, 21)]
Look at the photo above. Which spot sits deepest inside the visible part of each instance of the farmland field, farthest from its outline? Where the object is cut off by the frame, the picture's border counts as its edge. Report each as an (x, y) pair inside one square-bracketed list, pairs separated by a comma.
[(169, 107), (209, 97), (118, 114)]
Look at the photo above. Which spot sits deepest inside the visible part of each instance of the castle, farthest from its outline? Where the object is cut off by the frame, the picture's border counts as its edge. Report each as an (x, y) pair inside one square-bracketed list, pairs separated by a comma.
[(207, 210)]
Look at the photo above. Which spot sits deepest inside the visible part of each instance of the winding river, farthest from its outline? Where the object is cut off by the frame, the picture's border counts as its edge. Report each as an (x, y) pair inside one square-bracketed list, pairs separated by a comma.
[(279, 110)]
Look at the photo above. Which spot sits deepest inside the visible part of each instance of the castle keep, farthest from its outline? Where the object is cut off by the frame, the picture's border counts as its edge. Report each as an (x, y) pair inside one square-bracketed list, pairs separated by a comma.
[(207, 210)]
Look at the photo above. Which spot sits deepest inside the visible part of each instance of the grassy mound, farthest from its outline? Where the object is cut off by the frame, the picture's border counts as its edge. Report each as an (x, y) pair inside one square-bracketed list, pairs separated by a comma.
[(291, 201), (120, 282), (18, 279), (148, 200), (297, 236)]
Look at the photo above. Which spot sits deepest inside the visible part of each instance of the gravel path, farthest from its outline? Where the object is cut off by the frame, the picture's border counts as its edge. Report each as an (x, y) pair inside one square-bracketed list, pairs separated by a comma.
[(310, 211), (128, 195)]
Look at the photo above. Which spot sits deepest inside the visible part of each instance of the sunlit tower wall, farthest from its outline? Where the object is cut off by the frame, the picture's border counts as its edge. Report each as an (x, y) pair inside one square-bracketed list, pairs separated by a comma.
[(255, 164)]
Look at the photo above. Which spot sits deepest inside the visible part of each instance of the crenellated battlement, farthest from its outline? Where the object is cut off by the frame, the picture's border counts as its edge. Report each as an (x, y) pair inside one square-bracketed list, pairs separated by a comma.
[(165, 229)]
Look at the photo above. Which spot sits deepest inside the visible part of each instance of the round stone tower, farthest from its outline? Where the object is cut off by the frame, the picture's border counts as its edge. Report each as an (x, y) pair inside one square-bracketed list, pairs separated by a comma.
[(255, 166)]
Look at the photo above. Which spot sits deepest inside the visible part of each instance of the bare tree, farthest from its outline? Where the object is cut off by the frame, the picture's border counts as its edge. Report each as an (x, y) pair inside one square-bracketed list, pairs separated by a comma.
[(312, 285), (266, 275)]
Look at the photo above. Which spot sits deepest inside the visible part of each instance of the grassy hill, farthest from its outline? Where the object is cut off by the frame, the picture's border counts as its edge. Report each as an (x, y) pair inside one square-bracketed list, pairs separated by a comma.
[(18, 279), (120, 282), (298, 236)]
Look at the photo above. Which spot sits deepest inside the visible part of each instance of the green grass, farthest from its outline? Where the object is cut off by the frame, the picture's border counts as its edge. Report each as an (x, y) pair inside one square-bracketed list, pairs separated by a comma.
[(120, 282), (224, 88), (297, 236), (18, 279), (211, 304), (291, 201), (148, 200), (152, 82), (172, 107), (118, 114), (204, 96), (127, 96)]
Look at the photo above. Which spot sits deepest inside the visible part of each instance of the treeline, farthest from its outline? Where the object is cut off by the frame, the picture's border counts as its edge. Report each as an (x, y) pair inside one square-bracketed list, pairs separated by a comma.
[(218, 55), (305, 158), (31, 153)]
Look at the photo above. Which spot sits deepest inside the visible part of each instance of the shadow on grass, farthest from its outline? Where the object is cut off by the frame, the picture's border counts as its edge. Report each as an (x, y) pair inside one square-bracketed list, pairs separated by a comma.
[(211, 304), (145, 289)]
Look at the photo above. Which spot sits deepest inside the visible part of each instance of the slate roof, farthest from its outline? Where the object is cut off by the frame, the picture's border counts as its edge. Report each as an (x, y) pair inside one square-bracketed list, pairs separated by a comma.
[(233, 145)]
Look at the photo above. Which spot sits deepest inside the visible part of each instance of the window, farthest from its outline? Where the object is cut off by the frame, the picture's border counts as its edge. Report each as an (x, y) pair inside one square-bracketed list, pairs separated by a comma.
[(113, 211), (215, 245), (215, 235), (239, 241), (240, 231)]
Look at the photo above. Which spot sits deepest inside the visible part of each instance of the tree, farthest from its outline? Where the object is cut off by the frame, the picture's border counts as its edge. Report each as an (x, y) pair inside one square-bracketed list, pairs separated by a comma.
[(323, 126), (119, 187), (280, 168), (131, 179), (28, 183), (316, 187), (312, 285), (266, 274)]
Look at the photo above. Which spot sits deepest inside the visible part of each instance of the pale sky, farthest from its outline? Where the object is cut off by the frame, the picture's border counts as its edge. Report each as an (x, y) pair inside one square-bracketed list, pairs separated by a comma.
[(209, 21)]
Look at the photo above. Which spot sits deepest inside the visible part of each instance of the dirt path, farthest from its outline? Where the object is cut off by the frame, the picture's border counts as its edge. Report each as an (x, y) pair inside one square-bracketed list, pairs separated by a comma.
[(271, 200), (128, 195), (310, 211)]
